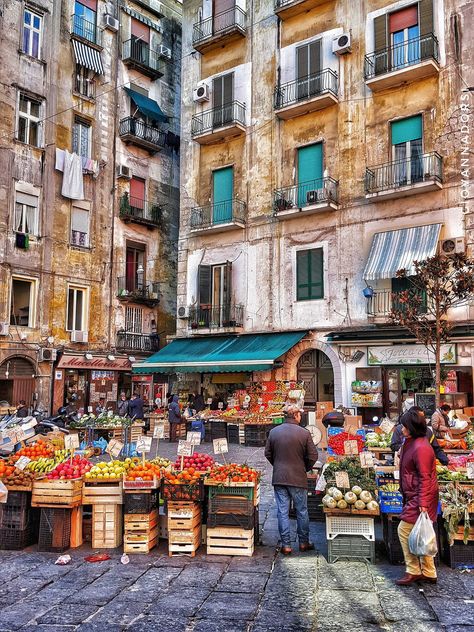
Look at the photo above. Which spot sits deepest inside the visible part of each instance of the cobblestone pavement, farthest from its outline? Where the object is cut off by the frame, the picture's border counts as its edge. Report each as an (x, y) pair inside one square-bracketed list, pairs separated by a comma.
[(265, 593)]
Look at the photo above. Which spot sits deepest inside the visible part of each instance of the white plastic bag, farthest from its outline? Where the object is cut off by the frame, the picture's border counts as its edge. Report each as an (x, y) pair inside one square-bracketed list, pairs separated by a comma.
[(422, 539), (3, 493)]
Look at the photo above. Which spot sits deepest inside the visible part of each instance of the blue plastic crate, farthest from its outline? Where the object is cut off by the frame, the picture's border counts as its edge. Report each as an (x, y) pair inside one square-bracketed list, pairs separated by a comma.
[(390, 502)]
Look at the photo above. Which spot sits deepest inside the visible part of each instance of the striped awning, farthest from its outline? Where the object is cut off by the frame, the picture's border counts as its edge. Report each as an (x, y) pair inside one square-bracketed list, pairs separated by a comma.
[(88, 57), (142, 18), (398, 249)]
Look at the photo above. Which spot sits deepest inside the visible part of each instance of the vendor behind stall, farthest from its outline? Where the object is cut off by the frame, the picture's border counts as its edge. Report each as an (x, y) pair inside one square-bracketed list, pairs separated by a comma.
[(440, 421)]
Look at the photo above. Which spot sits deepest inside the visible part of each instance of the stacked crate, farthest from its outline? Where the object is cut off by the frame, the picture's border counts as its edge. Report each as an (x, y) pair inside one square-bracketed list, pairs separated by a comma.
[(184, 527), (350, 537), (106, 498), (18, 521), (141, 527)]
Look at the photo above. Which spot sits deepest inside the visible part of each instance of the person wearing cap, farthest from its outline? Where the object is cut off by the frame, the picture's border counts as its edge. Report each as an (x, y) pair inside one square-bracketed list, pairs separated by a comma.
[(122, 405), (101, 406), (291, 451)]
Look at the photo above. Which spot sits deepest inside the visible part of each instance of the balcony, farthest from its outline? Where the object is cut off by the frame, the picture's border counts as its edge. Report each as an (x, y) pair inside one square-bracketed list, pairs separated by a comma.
[(315, 196), (219, 29), (381, 303), (288, 8), (223, 317), (218, 124), (133, 289), (133, 209), (404, 177), (412, 60), (137, 54), (86, 31), (220, 217), (306, 94), (136, 132), (138, 343)]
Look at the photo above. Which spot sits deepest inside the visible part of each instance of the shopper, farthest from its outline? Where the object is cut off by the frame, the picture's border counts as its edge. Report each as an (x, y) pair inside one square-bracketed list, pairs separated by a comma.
[(22, 409), (122, 405), (135, 408), (174, 416), (291, 451), (101, 406), (409, 401), (398, 439), (419, 488), (440, 421)]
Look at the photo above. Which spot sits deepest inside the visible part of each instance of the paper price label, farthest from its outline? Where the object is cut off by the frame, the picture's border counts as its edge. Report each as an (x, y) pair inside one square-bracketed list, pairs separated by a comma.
[(114, 448), (220, 405), (159, 432), (245, 405), (22, 462), (470, 470), (209, 401), (351, 447), (144, 444), (387, 426), (220, 446), (185, 448), (396, 475), (342, 480), (321, 484), (259, 401), (366, 459), (71, 442), (194, 438)]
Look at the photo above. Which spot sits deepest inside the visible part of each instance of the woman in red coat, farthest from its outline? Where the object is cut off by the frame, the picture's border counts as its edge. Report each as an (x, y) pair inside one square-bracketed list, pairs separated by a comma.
[(419, 487)]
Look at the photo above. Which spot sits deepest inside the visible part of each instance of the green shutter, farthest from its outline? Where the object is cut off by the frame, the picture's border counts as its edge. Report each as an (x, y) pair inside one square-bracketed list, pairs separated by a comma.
[(309, 274), (407, 129), (425, 16)]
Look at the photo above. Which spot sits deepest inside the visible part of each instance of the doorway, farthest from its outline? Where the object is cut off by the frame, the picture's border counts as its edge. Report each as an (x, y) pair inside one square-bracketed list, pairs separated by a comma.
[(315, 370), (17, 381)]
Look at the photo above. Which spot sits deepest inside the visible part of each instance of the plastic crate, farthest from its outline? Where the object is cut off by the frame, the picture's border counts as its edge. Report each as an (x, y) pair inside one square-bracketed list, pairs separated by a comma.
[(231, 503), (391, 540), (231, 520), (140, 502), (218, 430), (221, 490), (350, 525), (256, 434), (354, 547), (390, 502), (14, 514), (18, 539), (54, 529), (233, 433), (459, 554), (187, 492), (315, 509)]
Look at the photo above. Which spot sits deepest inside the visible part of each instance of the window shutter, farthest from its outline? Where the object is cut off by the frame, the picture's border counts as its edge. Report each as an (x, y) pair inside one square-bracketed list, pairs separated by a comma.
[(25, 198), (228, 88), (227, 294), (302, 276), (406, 130), (140, 31), (309, 274), (217, 92), (302, 69), (315, 57), (204, 285), (380, 32), (80, 220), (403, 19), (425, 19), (317, 273)]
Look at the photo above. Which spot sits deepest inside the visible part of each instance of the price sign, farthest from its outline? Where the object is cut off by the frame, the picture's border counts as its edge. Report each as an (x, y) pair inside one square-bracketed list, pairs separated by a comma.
[(22, 462), (387, 426), (185, 448), (396, 475), (220, 405), (30, 424), (220, 446), (351, 447), (144, 444), (209, 401), (12, 435), (259, 401), (114, 448), (245, 405), (366, 459), (159, 432), (194, 438), (342, 480), (315, 433), (71, 442), (470, 470)]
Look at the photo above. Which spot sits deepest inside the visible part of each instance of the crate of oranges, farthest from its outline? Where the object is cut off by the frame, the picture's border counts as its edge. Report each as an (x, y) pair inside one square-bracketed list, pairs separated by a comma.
[(142, 475), (186, 485)]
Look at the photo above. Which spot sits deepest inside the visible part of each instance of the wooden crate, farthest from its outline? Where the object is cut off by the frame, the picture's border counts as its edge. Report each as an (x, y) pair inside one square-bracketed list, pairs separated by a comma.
[(77, 538), (106, 526), (163, 525), (183, 515), (108, 492), (184, 542), (57, 493), (159, 420), (141, 542), (141, 522), (230, 541)]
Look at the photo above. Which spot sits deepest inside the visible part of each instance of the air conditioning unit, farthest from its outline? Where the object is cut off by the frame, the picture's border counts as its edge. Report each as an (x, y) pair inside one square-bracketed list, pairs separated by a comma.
[(164, 51), (183, 312), (341, 45), (4, 329), (455, 245), (123, 172), (79, 336), (312, 196), (47, 355), (111, 23), (201, 93)]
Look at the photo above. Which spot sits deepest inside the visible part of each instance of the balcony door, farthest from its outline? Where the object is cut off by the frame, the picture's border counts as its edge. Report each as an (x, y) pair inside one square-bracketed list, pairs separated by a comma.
[(308, 67), (222, 195), (404, 37), (407, 151), (222, 98), (85, 16), (137, 197), (310, 174), (214, 293), (134, 269), (222, 15), (140, 42)]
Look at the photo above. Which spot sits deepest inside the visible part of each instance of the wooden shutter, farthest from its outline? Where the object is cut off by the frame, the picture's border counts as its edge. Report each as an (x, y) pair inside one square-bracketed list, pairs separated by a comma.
[(217, 92), (137, 190), (228, 88), (302, 69), (309, 274), (90, 4), (227, 293), (204, 285), (425, 18), (317, 273), (380, 32), (315, 57)]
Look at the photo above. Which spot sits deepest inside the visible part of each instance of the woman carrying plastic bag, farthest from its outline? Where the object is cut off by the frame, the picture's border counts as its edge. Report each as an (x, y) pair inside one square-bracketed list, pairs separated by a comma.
[(419, 488)]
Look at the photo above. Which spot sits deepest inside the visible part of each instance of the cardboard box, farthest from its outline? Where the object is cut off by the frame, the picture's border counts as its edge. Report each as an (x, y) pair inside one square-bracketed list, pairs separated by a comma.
[(323, 444), (322, 408), (352, 423)]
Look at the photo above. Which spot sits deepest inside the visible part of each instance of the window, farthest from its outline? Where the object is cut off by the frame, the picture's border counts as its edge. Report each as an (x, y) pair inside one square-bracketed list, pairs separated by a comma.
[(135, 268), (309, 274), (407, 150), (84, 82), (29, 111), (404, 31), (26, 215), (308, 67), (81, 138), (134, 320), (222, 194), (214, 294), (76, 309), (32, 30), (84, 19), (22, 302), (80, 225)]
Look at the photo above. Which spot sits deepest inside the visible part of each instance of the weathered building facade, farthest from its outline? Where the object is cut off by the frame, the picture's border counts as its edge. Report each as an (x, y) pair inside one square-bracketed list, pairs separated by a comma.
[(322, 149), (89, 189)]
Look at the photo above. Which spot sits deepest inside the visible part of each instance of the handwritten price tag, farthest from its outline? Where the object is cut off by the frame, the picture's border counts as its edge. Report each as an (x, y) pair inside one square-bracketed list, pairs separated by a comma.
[(114, 448), (387, 426), (22, 462), (220, 446), (351, 447), (470, 470), (185, 448), (366, 459), (159, 432), (71, 442), (194, 438), (144, 444), (342, 480)]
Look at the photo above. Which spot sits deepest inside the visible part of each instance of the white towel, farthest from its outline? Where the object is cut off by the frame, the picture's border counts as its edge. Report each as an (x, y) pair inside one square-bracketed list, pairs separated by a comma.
[(59, 159), (73, 187)]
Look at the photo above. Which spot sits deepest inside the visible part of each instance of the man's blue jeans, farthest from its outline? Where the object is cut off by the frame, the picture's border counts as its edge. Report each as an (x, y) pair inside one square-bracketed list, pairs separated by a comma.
[(299, 496)]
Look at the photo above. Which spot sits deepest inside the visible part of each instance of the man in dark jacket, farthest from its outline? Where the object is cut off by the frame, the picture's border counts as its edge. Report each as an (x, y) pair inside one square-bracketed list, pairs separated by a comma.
[(291, 451), (174, 417), (135, 408)]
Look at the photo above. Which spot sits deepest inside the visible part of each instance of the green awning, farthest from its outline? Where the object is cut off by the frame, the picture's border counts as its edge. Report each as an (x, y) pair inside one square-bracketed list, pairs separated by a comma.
[(220, 354), (147, 106)]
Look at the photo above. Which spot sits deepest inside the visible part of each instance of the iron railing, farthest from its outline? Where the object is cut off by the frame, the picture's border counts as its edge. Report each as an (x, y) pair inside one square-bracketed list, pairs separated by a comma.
[(78, 238), (228, 114), (84, 86), (130, 341), (136, 288), (216, 317), (399, 173), (382, 302), (139, 52), (401, 55), (232, 19), (140, 130), (305, 194), (86, 30), (135, 208), (305, 88), (220, 213)]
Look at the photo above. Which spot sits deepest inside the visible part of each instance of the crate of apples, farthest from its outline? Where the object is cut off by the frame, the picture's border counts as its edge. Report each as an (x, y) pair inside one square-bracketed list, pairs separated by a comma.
[(200, 462), (76, 467)]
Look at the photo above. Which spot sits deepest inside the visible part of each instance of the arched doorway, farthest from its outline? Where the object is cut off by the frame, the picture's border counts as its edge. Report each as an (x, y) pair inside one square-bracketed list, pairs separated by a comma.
[(314, 368), (17, 381)]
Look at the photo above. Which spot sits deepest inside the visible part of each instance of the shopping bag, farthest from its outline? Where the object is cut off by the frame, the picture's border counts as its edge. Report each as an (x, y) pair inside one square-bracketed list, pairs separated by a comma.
[(3, 493), (422, 539)]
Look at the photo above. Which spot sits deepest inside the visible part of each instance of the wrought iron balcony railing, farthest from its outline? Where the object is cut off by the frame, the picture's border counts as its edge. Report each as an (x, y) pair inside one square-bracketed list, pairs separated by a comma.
[(305, 88), (382, 302), (216, 317), (227, 212), (137, 131), (78, 238), (217, 25), (135, 209), (86, 30), (228, 114), (306, 194), (401, 56), (138, 52), (400, 173), (135, 288), (142, 343)]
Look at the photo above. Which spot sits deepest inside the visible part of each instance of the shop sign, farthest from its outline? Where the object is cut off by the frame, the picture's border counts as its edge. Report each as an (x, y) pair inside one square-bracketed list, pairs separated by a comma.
[(142, 378), (409, 354), (97, 363)]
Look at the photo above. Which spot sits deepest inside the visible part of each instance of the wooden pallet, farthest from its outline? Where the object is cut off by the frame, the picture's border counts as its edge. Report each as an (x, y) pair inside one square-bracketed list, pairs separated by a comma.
[(191, 543), (106, 526), (57, 493), (109, 492), (230, 541), (141, 522)]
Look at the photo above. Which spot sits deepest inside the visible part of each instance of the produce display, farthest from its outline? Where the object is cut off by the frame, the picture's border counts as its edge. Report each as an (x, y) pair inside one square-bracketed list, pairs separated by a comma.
[(108, 470), (76, 467), (160, 461), (357, 475), (336, 442), (456, 502), (378, 440), (469, 439), (366, 386), (139, 471), (234, 473), (357, 498), (13, 477), (200, 462), (444, 473), (367, 400), (38, 449), (184, 485), (455, 444), (101, 421)]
